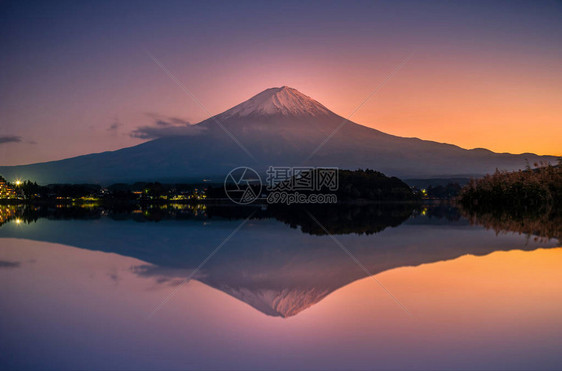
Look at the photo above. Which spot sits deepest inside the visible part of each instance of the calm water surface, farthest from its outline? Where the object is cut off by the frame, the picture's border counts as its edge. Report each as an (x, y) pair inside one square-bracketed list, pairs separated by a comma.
[(79, 293)]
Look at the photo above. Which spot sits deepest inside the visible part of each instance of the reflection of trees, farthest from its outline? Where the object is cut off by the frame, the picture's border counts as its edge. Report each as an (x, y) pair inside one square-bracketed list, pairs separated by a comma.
[(27, 213), (337, 219), (541, 224), (527, 201), (344, 218)]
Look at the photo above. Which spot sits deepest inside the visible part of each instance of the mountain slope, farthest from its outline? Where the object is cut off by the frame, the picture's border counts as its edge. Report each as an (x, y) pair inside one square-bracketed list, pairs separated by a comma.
[(278, 127)]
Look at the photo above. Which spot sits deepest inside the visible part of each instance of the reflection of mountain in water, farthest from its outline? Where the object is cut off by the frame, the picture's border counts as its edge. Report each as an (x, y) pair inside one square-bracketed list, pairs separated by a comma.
[(277, 270), (284, 303)]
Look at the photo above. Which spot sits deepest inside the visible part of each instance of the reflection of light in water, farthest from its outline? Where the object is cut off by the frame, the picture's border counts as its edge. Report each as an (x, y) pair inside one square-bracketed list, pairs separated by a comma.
[(18, 221)]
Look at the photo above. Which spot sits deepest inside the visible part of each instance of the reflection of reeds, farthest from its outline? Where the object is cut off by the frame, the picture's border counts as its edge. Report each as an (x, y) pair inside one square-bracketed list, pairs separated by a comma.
[(528, 201), (541, 226)]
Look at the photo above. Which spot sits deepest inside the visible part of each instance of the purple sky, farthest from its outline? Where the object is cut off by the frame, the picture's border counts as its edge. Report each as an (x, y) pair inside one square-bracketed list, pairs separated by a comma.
[(75, 77)]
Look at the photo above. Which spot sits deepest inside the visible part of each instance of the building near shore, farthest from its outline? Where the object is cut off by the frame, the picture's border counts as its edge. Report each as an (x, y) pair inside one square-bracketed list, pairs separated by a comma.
[(6, 190)]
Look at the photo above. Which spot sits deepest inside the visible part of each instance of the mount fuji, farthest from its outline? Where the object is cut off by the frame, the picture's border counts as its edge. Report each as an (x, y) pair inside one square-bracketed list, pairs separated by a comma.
[(277, 127)]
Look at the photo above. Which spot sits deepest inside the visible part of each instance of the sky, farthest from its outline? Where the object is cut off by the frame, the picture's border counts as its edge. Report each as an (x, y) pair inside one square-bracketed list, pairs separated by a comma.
[(76, 77)]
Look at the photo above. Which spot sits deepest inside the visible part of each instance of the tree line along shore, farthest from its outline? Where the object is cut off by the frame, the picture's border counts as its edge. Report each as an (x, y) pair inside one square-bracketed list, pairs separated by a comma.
[(532, 190)]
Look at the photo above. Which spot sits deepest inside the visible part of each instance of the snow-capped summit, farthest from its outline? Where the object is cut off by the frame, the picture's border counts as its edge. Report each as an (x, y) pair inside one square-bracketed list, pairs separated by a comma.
[(285, 101)]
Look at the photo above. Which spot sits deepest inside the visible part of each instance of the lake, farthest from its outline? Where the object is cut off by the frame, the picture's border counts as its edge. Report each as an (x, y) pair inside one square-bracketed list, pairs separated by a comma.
[(366, 287)]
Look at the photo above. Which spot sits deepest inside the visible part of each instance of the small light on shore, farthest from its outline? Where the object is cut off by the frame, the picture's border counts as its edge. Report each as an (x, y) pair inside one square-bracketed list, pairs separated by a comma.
[(18, 182)]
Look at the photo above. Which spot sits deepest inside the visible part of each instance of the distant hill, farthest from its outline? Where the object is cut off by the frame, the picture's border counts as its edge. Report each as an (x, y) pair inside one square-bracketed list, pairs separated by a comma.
[(359, 185), (278, 127)]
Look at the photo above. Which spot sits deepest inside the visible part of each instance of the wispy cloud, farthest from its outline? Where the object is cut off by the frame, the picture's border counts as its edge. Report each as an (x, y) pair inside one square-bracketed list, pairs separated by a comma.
[(9, 264), (165, 127), (161, 120), (114, 126), (10, 139)]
